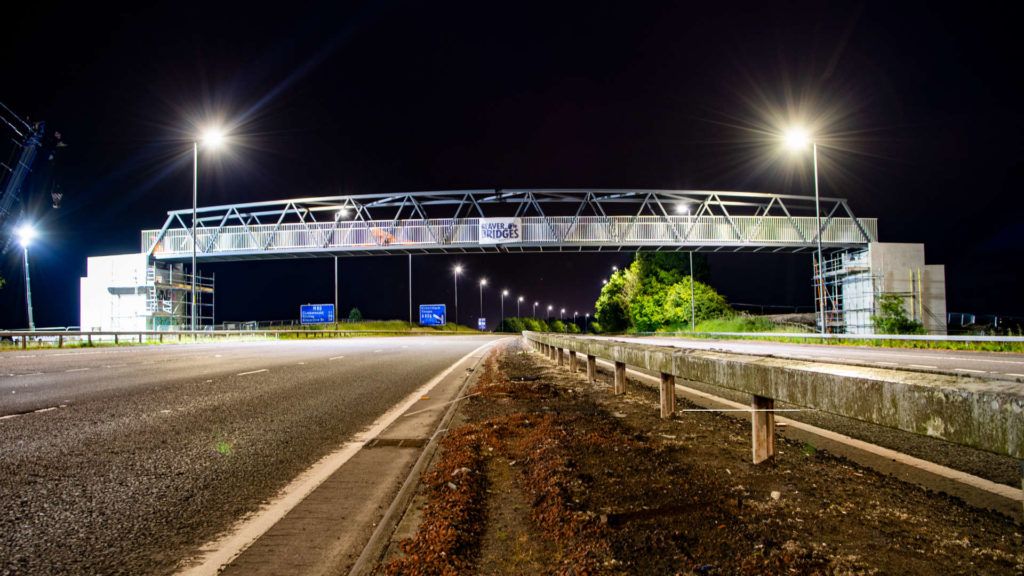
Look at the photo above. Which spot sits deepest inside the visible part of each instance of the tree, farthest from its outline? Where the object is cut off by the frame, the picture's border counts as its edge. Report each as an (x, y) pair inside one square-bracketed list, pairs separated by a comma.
[(707, 303), (355, 315), (612, 307), (893, 317)]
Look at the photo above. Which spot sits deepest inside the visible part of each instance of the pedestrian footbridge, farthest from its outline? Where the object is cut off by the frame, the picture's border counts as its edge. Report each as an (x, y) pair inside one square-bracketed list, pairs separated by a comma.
[(522, 220)]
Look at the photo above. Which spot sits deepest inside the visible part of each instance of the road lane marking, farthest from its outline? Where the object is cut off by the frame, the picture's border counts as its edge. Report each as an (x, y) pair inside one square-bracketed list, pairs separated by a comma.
[(114, 365), (375, 351), (336, 358), (253, 372), (969, 370), (1017, 375), (887, 363), (922, 366), (239, 537), (300, 363), (77, 370)]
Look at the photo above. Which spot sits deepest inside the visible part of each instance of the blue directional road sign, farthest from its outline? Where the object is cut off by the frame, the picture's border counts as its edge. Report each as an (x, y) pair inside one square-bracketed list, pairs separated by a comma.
[(316, 313), (432, 314), (481, 323)]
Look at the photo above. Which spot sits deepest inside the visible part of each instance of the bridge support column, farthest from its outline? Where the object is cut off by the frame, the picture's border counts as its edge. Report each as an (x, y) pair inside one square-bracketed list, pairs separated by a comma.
[(763, 428), (591, 368), (572, 361), (552, 353), (561, 357), (668, 395), (620, 377)]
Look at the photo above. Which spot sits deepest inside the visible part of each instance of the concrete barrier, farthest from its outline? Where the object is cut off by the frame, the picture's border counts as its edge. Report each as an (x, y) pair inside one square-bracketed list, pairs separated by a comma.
[(984, 414)]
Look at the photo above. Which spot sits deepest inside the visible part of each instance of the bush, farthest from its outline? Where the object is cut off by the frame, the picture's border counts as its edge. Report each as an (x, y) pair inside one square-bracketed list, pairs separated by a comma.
[(354, 315), (556, 326), (595, 327), (514, 325), (893, 317)]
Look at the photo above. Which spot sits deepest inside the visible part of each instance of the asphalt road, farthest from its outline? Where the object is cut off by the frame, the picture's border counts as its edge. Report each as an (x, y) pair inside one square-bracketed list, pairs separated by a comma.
[(998, 365), (124, 460)]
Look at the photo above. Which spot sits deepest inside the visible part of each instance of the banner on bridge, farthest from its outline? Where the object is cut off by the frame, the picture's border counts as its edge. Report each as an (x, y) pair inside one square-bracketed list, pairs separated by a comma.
[(500, 230)]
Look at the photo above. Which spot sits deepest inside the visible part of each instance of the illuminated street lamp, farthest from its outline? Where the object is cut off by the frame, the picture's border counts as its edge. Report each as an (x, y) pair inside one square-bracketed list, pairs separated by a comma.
[(550, 308), (535, 309), (457, 270), (25, 235), (586, 321), (518, 302), (797, 139), (604, 281), (211, 138), (503, 294), (483, 282)]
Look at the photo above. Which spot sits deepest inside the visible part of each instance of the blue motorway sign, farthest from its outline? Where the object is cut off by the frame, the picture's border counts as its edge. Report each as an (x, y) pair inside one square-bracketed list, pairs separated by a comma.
[(316, 313), (432, 314), (481, 324)]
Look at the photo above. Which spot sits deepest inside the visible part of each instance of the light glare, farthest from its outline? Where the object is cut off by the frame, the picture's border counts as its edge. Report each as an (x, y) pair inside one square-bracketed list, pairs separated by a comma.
[(797, 139), (25, 234), (213, 137)]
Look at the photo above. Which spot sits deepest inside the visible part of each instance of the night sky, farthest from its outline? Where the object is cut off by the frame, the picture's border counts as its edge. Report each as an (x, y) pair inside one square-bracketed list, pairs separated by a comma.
[(917, 109)]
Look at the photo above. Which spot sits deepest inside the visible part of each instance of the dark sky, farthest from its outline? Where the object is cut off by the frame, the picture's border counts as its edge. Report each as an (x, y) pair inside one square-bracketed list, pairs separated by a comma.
[(916, 106)]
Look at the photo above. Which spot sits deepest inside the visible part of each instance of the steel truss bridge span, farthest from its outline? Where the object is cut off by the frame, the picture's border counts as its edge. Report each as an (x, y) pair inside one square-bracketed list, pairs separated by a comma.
[(545, 220)]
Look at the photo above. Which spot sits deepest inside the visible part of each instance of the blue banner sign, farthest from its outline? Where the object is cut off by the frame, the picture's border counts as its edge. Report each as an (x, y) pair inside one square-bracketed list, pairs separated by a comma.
[(432, 314), (316, 313), (481, 324)]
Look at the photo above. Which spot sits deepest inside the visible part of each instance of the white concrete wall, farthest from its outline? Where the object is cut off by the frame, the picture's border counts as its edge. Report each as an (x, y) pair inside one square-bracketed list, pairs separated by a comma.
[(113, 294)]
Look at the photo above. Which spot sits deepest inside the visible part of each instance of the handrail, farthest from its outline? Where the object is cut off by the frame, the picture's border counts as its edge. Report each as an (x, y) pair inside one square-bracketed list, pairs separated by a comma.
[(814, 336), (25, 335)]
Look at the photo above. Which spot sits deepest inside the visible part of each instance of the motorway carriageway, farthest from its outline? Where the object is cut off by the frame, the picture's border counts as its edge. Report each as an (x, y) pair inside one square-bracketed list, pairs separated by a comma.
[(125, 460)]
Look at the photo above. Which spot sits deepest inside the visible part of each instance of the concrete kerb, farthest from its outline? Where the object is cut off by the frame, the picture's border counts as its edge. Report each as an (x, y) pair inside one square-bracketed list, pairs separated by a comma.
[(983, 414), (381, 536)]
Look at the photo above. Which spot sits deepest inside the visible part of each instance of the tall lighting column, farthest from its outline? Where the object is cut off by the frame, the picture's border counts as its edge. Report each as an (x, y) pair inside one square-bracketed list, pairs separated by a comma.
[(212, 138), (798, 140), (457, 270), (25, 235), (503, 294), (483, 282)]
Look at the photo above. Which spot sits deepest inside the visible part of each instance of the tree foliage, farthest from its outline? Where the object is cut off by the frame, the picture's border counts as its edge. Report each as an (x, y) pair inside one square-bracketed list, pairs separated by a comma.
[(354, 315), (893, 317), (654, 292)]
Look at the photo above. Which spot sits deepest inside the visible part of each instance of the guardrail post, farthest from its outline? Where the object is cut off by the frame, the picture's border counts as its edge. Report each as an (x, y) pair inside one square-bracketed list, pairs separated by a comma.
[(668, 395), (115, 339), (620, 377), (89, 338), (591, 368), (179, 336), (60, 341), (160, 338), (763, 428), (561, 357), (140, 337), (24, 342), (572, 361)]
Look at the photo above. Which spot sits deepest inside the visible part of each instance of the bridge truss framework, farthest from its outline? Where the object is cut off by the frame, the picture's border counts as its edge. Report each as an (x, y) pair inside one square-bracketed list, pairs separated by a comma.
[(548, 220)]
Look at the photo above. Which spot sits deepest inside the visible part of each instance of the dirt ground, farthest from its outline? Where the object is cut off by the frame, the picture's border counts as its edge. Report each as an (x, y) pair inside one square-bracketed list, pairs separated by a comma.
[(543, 473)]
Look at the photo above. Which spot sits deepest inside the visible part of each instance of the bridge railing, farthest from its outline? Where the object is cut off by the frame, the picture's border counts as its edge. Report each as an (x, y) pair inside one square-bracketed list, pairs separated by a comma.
[(661, 231), (61, 338)]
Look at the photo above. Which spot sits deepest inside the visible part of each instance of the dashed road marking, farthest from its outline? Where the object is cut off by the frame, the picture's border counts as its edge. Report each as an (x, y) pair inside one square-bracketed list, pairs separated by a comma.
[(77, 370), (922, 366), (114, 365), (969, 370), (887, 363), (253, 372), (336, 358), (1016, 375), (300, 363)]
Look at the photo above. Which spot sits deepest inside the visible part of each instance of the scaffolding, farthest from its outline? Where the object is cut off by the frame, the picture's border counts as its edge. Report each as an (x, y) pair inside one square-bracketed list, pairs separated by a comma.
[(169, 298), (846, 288)]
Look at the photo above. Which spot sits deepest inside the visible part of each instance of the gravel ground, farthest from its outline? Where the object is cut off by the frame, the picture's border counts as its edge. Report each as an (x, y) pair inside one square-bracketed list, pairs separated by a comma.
[(135, 481), (611, 488)]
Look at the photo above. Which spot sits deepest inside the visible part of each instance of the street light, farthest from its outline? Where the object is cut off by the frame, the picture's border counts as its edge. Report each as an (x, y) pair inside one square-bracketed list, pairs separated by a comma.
[(457, 270), (550, 307), (798, 139), (535, 309), (615, 269), (25, 235), (483, 282), (518, 302), (586, 322), (503, 294), (211, 138)]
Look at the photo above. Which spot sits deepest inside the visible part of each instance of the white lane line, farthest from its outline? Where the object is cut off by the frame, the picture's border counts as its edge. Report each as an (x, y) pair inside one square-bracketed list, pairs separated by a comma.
[(922, 366), (300, 363), (9, 416), (77, 370), (222, 551), (1017, 375), (336, 358), (969, 370), (253, 372), (114, 365), (375, 351), (887, 363)]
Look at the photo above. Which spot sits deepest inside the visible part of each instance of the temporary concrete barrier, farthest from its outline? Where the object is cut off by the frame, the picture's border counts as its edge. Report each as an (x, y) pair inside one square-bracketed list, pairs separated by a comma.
[(984, 414)]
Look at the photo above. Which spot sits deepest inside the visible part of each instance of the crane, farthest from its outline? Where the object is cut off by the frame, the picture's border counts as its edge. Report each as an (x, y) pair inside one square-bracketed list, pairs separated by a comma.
[(28, 139)]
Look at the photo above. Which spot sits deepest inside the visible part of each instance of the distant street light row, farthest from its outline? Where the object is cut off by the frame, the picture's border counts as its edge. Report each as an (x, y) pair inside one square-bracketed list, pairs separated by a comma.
[(503, 294)]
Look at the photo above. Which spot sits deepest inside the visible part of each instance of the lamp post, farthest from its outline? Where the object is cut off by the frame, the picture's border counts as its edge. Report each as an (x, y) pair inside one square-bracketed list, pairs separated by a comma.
[(25, 235), (211, 139), (586, 322), (483, 282), (550, 308), (796, 140), (535, 309), (518, 302), (457, 270), (503, 294)]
